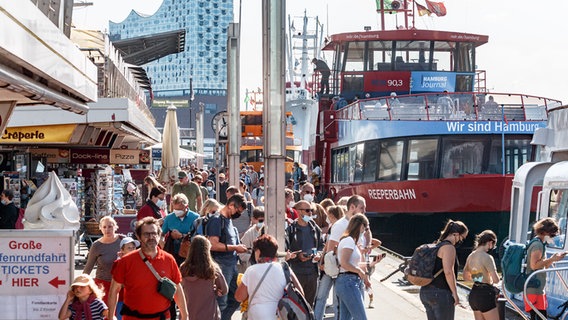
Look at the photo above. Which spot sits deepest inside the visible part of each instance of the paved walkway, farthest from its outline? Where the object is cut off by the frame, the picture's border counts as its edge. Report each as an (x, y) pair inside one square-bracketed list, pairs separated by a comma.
[(392, 300)]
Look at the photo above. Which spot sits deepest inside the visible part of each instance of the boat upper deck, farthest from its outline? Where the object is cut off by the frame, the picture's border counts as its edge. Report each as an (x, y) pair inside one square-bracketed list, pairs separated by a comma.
[(472, 106)]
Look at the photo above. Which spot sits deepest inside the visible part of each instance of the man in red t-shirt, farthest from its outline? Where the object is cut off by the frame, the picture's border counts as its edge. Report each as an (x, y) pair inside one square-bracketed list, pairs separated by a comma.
[(141, 297)]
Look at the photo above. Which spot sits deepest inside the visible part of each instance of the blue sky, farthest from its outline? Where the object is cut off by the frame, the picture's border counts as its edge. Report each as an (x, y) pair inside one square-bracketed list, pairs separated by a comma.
[(525, 54)]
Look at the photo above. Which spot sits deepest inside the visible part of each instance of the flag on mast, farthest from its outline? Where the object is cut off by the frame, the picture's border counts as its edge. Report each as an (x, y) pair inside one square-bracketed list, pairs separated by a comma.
[(422, 10), (436, 8)]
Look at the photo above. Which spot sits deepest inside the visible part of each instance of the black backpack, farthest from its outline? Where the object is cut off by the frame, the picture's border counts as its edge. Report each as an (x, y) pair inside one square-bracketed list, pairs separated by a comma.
[(420, 269)]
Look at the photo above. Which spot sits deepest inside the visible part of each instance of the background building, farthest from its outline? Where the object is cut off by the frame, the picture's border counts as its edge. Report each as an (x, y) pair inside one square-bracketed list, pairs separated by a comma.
[(204, 60)]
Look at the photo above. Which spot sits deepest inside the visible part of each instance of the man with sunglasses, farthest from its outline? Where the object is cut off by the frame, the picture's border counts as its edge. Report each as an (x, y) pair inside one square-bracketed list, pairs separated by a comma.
[(304, 242)]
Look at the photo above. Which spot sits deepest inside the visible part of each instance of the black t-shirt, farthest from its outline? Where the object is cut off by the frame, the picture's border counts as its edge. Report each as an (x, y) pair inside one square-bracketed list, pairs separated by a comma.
[(8, 216)]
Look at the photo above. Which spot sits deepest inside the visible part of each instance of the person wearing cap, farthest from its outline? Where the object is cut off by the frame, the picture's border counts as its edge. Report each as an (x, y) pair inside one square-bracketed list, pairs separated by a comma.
[(141, 297), (190, 189), (127, 245), (83, 301)]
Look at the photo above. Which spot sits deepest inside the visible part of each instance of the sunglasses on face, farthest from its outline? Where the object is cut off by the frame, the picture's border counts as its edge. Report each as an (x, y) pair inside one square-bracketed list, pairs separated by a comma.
[(307, 210)]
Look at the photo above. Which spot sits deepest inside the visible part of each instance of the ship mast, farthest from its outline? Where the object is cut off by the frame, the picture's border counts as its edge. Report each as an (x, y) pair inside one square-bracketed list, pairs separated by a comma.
[(395, 7)]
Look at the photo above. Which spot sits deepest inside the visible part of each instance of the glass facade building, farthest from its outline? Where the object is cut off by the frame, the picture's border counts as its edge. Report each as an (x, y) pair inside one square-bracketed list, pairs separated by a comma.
[(205, 55)]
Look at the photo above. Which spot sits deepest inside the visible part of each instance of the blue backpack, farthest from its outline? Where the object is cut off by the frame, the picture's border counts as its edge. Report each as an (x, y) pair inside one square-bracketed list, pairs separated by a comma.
[(514, 268)]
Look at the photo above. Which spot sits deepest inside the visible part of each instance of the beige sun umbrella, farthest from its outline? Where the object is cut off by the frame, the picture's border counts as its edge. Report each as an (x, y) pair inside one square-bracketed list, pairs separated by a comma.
[(170, 149)]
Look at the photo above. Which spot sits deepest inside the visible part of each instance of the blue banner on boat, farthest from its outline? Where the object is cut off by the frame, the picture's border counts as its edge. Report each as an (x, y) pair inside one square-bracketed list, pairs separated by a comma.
[(433, 81), (356, 131)]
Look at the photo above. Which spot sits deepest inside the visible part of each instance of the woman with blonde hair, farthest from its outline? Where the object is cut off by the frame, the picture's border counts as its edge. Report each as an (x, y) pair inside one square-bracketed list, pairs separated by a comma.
[(209, 206), (352, 279), (151, 182), (103, 252), (84, 301), (202, 281), (480, 268)]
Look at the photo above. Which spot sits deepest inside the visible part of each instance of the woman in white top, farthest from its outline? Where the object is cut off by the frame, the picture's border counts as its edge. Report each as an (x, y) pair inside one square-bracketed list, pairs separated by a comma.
[(264, 303), (351, 281)]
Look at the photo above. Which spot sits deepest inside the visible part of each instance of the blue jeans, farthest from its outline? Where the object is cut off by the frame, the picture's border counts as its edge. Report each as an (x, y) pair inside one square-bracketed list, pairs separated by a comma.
[(349, 288), (439, 303), (324, 287), (227, 303)]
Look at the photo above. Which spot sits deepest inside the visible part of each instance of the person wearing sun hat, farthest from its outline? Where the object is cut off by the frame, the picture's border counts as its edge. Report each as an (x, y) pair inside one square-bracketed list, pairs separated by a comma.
[(84, 300)]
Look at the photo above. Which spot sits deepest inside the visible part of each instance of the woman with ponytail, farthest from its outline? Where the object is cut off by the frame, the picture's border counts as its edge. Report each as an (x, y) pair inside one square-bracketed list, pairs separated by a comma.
[(441, 296)]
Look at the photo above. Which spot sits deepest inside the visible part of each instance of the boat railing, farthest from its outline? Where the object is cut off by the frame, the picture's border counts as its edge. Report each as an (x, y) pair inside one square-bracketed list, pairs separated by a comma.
[(471, 106), (555, 270)]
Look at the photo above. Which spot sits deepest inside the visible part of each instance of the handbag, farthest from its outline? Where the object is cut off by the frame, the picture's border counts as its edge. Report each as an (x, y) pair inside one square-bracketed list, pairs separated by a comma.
[(168, 243), (166, 287), (245, 314), (184, 246), (331, 264)]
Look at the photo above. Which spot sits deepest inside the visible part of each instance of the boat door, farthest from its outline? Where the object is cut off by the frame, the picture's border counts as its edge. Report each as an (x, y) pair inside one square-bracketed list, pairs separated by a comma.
[(554, 200), (527, 177)]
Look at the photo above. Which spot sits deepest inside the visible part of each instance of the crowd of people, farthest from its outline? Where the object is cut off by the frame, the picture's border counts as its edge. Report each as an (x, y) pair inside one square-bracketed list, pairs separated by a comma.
[(230, 257)]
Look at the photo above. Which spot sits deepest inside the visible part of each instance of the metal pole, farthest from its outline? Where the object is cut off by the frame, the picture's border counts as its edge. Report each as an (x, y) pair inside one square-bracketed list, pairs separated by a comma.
[(199, 136), (273, 115), (233, 109)]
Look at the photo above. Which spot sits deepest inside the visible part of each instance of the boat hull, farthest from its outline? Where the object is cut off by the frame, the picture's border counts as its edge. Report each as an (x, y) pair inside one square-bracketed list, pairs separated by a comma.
[(405, 214)]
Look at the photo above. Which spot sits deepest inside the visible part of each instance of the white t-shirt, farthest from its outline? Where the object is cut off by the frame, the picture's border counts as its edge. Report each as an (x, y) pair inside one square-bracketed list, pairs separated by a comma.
[(338, 229), (265, 301), (349, 243)]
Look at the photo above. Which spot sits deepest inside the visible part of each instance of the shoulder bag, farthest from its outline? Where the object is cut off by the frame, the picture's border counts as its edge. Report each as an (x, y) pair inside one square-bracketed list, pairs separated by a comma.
[(166, 287)]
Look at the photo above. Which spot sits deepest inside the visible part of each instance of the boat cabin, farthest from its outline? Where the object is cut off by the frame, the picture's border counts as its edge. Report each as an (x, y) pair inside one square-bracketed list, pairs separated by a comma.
[(377, 63)]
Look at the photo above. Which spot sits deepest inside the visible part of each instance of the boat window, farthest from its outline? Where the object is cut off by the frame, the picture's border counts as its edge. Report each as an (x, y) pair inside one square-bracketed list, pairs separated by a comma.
[(518, 151), (421, 159), (355, 56), (358, 163), (558, 208), (464, 59), (443, 55), (461, 156), (251, 155), (339, 165), (352, 157), (379, 53), (371, 161), (391, 160)]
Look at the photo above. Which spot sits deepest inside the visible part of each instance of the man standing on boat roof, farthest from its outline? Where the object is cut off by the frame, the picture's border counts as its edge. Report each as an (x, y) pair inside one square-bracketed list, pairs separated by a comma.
[(322, 67)]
